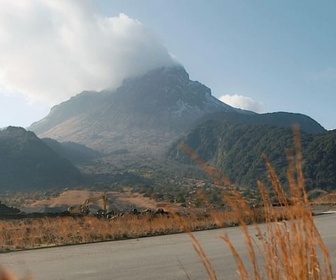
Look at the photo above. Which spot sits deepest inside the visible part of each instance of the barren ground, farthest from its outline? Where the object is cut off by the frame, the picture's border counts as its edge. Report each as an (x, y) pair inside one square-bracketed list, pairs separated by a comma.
[(117, 200)]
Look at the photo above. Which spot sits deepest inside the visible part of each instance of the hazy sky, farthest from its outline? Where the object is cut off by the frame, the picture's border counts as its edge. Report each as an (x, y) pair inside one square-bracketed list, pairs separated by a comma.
[(261, 55)]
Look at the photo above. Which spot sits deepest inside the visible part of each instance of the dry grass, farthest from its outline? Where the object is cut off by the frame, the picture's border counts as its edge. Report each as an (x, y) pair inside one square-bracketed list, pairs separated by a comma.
[(292, 249), (46, 232)]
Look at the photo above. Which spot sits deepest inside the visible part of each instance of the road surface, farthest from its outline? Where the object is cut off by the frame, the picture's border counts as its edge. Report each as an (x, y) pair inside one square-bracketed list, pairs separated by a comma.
[(161, 257)]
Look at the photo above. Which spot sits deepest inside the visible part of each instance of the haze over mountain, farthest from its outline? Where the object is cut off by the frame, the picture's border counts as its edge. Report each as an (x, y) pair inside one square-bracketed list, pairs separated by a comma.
[(52, 50)]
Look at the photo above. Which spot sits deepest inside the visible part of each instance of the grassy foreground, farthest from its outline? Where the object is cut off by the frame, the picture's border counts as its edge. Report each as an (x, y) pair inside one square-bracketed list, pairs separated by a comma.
[(46, 232), (291, 247)]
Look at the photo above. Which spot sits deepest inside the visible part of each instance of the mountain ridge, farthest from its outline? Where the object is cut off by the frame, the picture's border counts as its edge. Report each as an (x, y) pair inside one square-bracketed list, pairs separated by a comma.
[(277, 119), (155, 108), (237, 151), (26, 162), (144, 116), (126, 133)]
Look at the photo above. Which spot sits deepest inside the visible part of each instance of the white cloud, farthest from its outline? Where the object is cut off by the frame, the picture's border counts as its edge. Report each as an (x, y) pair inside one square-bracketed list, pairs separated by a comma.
[(242, 102), (51, 50)]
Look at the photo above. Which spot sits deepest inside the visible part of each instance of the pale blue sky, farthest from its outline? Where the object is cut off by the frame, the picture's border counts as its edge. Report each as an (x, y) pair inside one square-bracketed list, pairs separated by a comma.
[(278, 53)]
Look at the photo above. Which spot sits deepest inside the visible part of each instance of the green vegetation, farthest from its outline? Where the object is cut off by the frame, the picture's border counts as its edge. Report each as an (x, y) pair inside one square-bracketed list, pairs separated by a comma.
[(238, 149), (292, 249), (277, 119)]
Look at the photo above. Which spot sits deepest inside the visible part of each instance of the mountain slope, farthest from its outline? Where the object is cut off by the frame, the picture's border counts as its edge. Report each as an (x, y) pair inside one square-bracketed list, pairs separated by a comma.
[(320, 154), (147, 114), (28, 163), (237, 149), (144, 115), (75, 153)]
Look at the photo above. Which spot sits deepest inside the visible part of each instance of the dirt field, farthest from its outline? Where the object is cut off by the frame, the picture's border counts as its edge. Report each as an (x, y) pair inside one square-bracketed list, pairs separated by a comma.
[(116, 200)]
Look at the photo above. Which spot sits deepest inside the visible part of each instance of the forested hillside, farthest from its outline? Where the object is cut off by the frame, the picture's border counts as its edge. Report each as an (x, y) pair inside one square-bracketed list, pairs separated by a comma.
[(237, 149)]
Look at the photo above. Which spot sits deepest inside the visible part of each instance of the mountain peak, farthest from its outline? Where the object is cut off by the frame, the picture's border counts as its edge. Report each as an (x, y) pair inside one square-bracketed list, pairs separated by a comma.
[(16, 132), (142, 117), (168, 90), (159, 106), (176, 72)]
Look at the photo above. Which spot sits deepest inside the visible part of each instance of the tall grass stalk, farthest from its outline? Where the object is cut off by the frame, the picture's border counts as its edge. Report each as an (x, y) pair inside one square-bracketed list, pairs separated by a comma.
[(288, 249), (290, 246)]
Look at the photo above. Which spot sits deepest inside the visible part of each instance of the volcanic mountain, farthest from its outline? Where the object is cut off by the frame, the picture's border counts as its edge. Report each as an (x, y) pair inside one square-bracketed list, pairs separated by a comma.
[(144, 115)]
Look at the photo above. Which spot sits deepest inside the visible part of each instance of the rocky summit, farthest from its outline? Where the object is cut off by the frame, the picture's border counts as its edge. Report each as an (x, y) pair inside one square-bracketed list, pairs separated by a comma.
[(141, 117)]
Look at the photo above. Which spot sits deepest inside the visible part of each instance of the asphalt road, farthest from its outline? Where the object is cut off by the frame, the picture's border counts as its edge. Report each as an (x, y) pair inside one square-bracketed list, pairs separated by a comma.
[(162, 257)]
